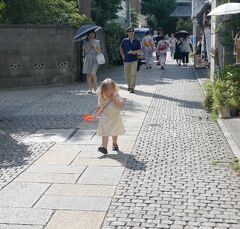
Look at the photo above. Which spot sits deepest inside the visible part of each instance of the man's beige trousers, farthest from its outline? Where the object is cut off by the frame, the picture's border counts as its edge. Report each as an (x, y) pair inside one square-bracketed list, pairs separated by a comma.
[(130, 72)]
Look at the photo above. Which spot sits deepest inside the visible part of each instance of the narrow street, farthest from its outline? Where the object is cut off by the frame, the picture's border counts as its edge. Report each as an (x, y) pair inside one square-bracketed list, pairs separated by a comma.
[(51, 175)]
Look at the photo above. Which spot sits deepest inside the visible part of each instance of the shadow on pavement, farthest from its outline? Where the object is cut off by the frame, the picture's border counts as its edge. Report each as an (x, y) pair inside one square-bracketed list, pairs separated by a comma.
[(132, 162)]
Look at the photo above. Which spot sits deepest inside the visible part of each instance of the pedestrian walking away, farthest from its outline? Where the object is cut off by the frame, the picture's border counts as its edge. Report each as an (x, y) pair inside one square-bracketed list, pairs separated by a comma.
[(185, 48), (129, 49), (156, 42), (91, 48), (148, 49), (110, 124), (162, 48), (172, 43), (177, 54)]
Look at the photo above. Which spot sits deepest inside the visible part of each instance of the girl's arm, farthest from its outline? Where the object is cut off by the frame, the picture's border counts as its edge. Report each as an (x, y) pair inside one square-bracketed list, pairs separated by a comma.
[(97, 111), (117, 101)]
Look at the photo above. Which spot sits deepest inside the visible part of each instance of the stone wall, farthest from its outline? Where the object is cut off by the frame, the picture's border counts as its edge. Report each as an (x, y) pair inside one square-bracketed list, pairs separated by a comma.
[(38, 55)]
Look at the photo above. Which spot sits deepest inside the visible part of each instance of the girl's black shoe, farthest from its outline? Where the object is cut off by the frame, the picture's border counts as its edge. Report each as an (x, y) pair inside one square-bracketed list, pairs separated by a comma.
[(102, 150), (115, 147)]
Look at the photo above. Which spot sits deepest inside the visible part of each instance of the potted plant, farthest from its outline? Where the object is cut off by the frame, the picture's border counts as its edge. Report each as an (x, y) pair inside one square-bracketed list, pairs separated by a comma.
[(233, 105), (232, 77), (221, 98), (208, 101)]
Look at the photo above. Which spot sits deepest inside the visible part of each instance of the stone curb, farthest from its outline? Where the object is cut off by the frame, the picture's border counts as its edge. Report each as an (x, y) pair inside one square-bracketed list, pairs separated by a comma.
[(233, 145)]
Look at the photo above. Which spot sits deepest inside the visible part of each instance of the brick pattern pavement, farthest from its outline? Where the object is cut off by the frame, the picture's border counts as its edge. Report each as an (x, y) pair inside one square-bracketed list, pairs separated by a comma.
[(171, 182)]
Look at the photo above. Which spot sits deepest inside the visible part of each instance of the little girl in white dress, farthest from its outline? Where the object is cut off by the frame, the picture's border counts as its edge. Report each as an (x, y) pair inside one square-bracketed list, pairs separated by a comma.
[(110, 104)]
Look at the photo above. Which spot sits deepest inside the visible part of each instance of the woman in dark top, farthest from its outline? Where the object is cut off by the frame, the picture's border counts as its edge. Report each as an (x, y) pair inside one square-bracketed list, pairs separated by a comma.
[(177, 54)]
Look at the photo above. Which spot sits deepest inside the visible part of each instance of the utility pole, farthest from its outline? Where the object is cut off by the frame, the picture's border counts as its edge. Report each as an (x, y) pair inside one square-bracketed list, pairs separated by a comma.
[(128, 2), (85, 7)]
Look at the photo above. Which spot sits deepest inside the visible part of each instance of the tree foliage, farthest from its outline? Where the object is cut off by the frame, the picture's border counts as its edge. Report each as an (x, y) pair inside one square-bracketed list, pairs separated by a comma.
[(114, 34), (160, 9), (41, 12), (134, 18), (152, 22), (105, 10), (184, 24), (2, 9)]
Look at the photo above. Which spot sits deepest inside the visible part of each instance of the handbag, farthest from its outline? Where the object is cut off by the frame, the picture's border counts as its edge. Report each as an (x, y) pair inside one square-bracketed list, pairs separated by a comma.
[(100, 59)]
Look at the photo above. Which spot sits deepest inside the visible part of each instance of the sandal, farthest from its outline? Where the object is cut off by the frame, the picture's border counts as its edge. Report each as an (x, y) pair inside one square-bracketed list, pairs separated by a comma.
[(103, 150), (115, 147)]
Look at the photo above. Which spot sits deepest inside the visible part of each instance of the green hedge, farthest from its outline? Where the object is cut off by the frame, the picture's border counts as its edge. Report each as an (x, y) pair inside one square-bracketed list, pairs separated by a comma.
[(114, 35)]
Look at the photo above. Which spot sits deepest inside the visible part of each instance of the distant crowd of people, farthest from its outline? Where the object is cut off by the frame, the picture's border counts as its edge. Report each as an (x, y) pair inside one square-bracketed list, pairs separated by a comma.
[(179, 48), (130, 47)]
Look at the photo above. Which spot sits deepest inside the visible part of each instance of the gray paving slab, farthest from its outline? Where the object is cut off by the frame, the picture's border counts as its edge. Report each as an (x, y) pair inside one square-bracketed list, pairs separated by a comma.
[(85, 203), (94, 141), (65, 148), (108, 160), (87, 126), (58, 157), (49, 135), (91, 151), (233, 126), (12, 226), (76, 220), (26, 216), (83, 135), (101, 175), (59, 178), (56, 169), (81, 190), (19, 194)]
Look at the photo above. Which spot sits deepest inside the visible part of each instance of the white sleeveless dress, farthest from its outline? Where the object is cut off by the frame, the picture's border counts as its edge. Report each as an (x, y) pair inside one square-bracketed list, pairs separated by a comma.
[(110, 123)]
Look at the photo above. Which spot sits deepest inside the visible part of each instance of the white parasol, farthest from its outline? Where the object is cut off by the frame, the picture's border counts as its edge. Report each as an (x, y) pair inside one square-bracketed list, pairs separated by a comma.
[(225, 9)]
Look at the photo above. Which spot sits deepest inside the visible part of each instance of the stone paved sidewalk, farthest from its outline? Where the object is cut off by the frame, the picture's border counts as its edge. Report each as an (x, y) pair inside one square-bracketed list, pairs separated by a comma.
[(178, 187), (25, 111), (70, 185), (163, 176)]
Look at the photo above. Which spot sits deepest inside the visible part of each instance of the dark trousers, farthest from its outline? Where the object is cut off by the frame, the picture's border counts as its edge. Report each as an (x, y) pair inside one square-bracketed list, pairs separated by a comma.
[(139, 65), (185, 57)]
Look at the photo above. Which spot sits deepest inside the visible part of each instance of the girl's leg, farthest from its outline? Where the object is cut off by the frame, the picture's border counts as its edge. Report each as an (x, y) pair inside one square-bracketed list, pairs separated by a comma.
[(94, 82), (114, 140), (105, 141), (89, 82), (115, 145)]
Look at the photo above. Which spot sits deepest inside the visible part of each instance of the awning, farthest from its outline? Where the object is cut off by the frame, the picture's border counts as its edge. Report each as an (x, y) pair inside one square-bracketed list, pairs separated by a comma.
[(207, 6), (182, 10), (202, 15)]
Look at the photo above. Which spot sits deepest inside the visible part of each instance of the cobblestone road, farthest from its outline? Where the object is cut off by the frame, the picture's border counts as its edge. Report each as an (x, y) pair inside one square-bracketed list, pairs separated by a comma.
[(178, 187)]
